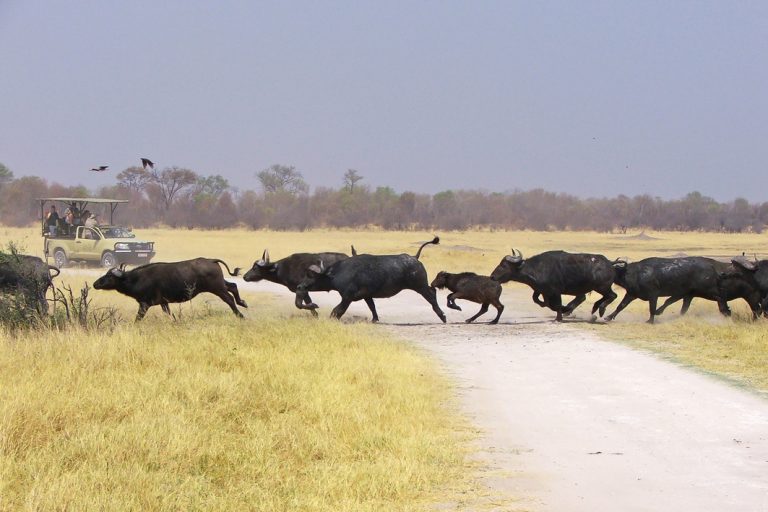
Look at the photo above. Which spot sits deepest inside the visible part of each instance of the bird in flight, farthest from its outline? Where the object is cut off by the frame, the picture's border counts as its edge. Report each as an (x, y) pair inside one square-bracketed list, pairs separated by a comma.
[(146, 162), (100, 168)]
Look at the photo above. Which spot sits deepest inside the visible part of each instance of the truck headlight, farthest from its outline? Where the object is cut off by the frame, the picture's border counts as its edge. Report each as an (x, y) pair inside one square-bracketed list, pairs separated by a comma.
[(121, 247)]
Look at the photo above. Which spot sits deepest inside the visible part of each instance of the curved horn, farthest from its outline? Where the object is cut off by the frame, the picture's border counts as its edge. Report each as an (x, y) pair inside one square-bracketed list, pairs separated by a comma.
[(266, 255)]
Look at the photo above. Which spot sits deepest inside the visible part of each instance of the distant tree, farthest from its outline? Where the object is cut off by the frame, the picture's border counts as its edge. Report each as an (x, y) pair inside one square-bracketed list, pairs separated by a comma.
[(5, 175), (211, 185), (134, 178), (282, 178), (351, 177), (171, 181)]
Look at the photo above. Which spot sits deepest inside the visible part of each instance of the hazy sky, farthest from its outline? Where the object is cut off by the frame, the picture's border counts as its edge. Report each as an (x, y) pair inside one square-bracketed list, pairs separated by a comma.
[(590, 98)]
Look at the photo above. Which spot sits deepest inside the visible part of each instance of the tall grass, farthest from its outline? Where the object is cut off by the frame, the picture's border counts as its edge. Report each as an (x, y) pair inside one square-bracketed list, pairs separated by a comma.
[(219, 414)]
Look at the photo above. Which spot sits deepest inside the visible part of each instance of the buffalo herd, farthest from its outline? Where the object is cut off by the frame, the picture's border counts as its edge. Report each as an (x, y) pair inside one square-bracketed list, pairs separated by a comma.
[(366, 277)]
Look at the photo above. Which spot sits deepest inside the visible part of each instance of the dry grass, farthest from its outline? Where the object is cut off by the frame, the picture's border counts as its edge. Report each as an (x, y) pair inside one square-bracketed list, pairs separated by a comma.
[(218, 414)]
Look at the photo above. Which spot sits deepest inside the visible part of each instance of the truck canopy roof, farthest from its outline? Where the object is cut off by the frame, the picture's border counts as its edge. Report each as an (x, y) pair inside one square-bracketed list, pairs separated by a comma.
[(100, 200)]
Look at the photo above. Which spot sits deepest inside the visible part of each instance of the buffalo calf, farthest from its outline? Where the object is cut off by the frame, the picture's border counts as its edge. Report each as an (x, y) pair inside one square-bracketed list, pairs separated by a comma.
[(472, 287)]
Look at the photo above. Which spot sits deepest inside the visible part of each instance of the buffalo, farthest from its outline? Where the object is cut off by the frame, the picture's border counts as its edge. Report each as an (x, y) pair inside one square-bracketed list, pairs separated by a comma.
[(163, 283), (472, 287), (556, 273), (291, 271), (28, 275), (368, 276), (753, 274), (680, 279)]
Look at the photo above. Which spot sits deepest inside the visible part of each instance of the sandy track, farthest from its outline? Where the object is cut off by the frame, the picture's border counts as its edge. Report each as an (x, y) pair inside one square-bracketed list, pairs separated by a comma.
[(576, 423)]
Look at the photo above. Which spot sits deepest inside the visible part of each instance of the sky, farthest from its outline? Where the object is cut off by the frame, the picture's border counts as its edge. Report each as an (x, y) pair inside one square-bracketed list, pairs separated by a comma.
[(590, 98)]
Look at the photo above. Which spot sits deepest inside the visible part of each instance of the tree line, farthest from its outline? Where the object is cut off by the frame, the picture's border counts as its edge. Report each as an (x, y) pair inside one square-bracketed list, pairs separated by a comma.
[(180, 197)]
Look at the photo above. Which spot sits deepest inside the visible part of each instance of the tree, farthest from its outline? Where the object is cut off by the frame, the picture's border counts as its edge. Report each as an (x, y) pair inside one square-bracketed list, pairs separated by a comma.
[(134, 178), (5, 175), (350, 178), (282, 178), (172, 180), (212, 185)]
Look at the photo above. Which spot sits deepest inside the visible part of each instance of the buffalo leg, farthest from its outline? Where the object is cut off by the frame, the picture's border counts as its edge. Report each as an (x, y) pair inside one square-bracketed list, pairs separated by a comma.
[(499, 308), (166, 309), (226, 297), (670, 300), (568, 309), (143, 307), (431, 295), (483, 310), (555, 304), (722, 305), (232, 288), (372, 307), (608, 297), (307, 300), (652, 302), (623, 304), (341, 308), (537, 300), (452, 302)]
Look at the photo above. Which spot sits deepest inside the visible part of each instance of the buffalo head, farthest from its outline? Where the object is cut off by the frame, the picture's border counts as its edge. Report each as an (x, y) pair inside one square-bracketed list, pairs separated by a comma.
[(440, 280), (111, 280), (260, 268), (508, 268)]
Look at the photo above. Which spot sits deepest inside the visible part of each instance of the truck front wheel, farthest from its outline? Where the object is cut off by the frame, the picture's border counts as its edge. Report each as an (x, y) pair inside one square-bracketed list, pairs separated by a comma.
[(108, 260), (60, 257)]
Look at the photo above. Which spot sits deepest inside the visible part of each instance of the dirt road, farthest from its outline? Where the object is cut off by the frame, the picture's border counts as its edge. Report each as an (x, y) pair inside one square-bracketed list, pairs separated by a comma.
[(575, 423)]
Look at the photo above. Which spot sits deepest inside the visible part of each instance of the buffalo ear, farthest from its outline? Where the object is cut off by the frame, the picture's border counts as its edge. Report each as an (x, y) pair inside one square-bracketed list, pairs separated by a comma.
[(117, 272), (315, 269)]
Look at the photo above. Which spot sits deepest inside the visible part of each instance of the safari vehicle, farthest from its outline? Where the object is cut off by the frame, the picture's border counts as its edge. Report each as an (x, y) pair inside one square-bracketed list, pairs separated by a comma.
[(107, 245)]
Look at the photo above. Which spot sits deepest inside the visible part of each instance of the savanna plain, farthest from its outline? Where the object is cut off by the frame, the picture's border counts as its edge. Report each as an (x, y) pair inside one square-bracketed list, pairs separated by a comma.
[(282, 411)]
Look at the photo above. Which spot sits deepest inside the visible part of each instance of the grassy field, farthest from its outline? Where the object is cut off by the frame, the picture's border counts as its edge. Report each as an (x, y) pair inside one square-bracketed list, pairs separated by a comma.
[(288, 413), (217, 414)]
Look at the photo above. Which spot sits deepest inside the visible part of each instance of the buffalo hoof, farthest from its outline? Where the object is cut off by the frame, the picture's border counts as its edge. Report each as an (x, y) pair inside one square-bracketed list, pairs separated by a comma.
[(493, 322), (454, 306), (374, 320), (468, 321), (314, 313)]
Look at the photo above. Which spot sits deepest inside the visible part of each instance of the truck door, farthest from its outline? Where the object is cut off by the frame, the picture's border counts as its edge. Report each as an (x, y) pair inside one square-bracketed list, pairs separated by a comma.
[(86, 243)]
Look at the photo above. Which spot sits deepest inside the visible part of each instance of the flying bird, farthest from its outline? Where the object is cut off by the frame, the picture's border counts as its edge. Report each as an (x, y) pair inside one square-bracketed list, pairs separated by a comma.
[(147, 162), (100, 168)]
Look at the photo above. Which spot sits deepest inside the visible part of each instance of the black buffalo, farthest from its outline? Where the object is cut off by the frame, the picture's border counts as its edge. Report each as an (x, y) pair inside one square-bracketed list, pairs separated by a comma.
[(164, 283), (292, 270), (556, 273), (680, 279), (28, 275), (368, 276), (753, 274), (472, 287)]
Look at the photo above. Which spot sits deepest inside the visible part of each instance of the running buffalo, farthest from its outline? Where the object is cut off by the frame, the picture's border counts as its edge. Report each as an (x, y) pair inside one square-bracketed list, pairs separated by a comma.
[(291, 271), (28, 275), (163, 283), (753, 274), (556, 273), (680, 279), (368, 276)]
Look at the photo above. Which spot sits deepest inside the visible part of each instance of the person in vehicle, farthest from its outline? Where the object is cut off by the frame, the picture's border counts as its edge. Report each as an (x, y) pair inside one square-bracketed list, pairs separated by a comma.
[(52, 220), (92, 221)]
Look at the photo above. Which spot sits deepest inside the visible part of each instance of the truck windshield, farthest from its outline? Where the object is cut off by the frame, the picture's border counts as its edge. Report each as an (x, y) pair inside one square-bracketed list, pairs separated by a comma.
[(117, 232)]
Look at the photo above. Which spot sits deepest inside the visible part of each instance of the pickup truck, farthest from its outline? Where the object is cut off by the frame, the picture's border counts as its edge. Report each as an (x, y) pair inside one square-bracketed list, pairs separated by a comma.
[(108, 246)]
